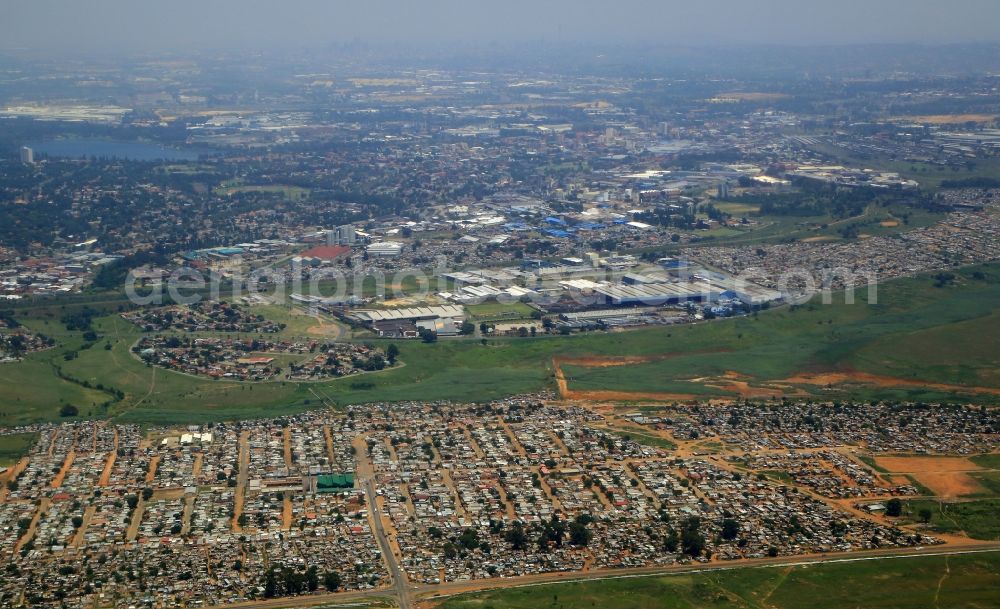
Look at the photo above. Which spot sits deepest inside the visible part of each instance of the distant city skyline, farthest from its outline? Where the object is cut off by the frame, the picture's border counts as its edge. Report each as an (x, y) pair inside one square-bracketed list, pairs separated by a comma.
[(121, 25)]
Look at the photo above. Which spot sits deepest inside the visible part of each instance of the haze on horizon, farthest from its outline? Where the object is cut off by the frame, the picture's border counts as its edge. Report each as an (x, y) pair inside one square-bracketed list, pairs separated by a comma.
[(63, 26)]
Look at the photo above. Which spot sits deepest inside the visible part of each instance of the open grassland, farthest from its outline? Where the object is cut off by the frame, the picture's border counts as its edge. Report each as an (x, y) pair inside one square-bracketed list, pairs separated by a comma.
[(299, 324), (977, 518), (15, 446), (928, 175), (779, 349), (292, 193), (964, 352), (962, 581), (835, 351), (32, 391)]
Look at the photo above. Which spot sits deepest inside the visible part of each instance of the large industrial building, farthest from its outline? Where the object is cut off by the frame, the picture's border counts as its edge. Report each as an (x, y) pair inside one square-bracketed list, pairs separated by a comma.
[(444, 320), (658, 293), (385, 249), (408, 313)]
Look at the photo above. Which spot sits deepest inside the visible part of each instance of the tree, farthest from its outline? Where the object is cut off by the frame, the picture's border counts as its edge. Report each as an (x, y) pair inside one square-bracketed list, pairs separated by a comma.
[(692, 541), (894, 507), (391, 353), (331, 581), (312, 579), (730, 529), (428, 336), (69, 410), (925, 515), (579, 534), (516, 537), (467, 327), (671, 542), (469, 539), (270, 584)]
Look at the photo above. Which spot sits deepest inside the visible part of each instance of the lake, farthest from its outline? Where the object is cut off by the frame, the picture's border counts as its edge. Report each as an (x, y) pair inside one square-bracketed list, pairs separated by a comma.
[(132, 151)]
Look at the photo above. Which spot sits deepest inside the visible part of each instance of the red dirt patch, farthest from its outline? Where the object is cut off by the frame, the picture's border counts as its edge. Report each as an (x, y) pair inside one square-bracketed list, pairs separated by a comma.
[(946, 476), (326, 252), (837, 378)]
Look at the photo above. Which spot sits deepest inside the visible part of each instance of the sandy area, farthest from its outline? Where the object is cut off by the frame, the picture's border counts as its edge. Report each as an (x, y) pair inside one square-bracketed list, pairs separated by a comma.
[(836, 378), (946, 476)]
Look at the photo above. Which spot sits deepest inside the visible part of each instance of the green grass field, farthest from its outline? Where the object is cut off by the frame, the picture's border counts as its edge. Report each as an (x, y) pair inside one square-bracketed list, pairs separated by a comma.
[(780, 344), (15, 446), (977, 518), (961, 581), (781, 229), (292, 193), (32, 392), (771, 346)]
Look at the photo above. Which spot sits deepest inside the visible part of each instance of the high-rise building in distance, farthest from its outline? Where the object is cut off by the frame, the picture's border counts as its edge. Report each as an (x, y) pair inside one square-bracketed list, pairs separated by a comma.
[(342, 235)]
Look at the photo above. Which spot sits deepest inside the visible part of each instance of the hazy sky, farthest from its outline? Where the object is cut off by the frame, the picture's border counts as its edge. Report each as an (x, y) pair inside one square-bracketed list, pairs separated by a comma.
[(141, 25)]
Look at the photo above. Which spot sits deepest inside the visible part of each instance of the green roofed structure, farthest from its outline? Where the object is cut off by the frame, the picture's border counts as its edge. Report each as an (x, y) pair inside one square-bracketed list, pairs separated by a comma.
[(334, 483)]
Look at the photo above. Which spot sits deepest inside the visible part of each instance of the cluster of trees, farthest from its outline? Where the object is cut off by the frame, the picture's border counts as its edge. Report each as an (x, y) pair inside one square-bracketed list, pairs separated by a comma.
[(690, 540), (285, 581), (7, 319), (554, 532), (80, 320)]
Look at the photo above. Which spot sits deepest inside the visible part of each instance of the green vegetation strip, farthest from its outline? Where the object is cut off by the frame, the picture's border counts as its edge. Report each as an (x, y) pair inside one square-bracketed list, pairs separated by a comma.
[(957, 581), (769, 347)]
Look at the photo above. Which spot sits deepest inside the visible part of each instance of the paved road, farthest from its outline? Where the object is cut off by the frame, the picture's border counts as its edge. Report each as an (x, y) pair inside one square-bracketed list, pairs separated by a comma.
[(395, 571), (365, 472)]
